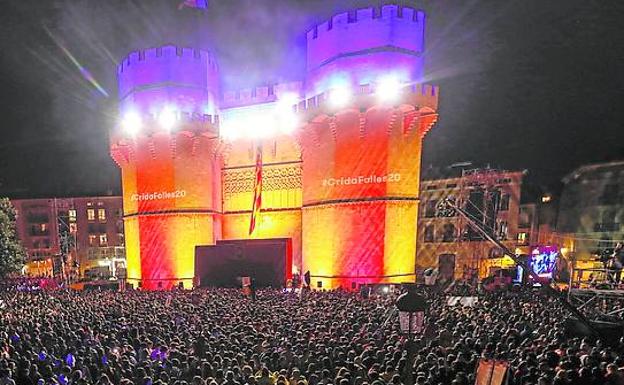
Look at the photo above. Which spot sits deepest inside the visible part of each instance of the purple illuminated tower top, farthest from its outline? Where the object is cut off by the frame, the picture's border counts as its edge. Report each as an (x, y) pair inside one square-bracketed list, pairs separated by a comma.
[(183, 79), (360, 46)]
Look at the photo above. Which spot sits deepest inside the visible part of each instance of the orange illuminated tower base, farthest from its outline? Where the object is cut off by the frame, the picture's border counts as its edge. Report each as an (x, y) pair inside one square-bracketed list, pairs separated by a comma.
[(361, 170), (171, 186)]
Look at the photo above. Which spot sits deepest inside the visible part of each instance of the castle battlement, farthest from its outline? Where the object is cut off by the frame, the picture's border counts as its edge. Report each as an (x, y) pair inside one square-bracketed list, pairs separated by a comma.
[(165, 53), (365, 29), (185, 122), (424, 95), (257, 95)]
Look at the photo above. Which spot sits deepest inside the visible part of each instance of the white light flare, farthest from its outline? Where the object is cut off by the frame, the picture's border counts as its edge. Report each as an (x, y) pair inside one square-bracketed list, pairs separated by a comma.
[(340, 96), (167, 118), (131, 123), (388, 89)]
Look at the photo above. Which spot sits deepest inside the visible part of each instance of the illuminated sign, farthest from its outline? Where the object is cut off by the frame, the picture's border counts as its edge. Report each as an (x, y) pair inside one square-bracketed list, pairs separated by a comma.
[(158, 195), (355, 180)]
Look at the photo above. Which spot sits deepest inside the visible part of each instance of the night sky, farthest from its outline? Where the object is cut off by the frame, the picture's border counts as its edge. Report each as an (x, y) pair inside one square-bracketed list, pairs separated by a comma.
[(525, 84)]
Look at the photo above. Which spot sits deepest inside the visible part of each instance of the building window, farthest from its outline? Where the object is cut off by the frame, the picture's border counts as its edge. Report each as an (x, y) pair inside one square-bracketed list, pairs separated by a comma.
[(503, 228), (522, 238), (610, 194), (73, 228), (91, 214), (72, 215), (89, 204), (430, 208), (92, 240), (445, 208), (504, 202), (43, 228), (448, 233), (103, 240), (525, 218), (102, 215), (429, 233)]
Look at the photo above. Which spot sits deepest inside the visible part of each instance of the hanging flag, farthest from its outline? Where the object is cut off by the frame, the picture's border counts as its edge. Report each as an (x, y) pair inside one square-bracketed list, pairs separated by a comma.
[(257, 202), (200, 4)]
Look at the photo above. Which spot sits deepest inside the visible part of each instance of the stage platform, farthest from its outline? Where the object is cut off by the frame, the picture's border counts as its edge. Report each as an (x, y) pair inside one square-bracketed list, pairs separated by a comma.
[(606, 293), (597, 291)]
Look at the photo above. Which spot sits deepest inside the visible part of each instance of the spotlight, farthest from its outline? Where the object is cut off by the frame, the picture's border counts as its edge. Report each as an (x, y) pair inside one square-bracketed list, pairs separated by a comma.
[(229, 130), (285, 118), (131, 123), (288, 122), (340, 96), (287, 101), (167, 118), (388, 89)]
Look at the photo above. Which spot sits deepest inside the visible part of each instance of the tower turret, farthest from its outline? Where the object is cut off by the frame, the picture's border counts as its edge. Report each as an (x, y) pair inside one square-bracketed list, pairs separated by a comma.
[(167, 149), (360, 46), (361, 146)]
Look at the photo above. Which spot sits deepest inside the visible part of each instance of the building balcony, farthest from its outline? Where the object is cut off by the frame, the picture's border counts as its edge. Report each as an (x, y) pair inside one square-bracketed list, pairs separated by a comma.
[(606, 227), (107, 252)]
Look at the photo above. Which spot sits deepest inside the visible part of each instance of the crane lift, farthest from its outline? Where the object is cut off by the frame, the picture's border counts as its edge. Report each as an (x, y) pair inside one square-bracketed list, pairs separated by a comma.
[(480, 228)]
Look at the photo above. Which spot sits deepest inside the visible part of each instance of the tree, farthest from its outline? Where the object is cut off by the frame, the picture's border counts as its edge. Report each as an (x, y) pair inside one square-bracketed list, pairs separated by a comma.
[(12, 254)]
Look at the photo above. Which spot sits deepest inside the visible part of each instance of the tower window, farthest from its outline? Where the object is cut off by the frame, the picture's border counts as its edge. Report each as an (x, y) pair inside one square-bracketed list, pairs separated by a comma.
[(429, 233), (103, 240), (504, 202), (430, 208), (448, 233), (522, 238)]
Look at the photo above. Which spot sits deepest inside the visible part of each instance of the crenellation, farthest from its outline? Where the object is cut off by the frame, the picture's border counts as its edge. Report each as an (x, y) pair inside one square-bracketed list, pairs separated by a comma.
[(245, 94), (260, 94), (166, 52), (341, 18), (169, 51), (408, 13), (346, 38), (322, 28), (151, 53), (427, 91), (389, 11), (364, 14)]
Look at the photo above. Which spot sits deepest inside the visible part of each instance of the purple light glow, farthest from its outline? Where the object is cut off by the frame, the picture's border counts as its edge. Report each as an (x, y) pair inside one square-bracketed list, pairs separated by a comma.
[(361, 49), (153, 80)]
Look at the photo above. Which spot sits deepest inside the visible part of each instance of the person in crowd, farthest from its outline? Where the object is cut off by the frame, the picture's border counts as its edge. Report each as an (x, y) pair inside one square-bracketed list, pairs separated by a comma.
[(222, 337)]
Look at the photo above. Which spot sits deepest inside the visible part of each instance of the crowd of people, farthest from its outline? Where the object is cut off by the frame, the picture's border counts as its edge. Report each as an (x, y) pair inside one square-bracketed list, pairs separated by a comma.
[(222, 337)]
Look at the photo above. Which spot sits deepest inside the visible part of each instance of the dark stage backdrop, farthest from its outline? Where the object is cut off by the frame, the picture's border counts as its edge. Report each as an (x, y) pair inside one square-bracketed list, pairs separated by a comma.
[(267, 261)]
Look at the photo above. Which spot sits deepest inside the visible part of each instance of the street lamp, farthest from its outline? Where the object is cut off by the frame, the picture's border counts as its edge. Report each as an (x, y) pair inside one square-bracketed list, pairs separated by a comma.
[(412, 307)]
